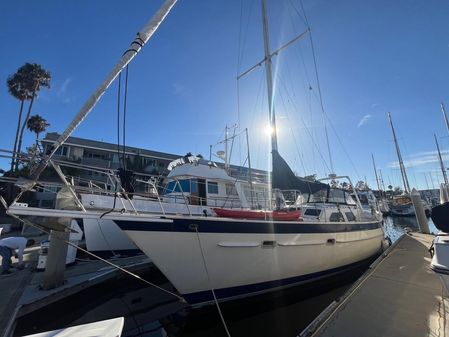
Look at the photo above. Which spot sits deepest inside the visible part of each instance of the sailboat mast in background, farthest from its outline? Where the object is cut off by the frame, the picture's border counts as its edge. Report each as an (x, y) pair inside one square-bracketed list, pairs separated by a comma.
[(443, 169), (401, 163)]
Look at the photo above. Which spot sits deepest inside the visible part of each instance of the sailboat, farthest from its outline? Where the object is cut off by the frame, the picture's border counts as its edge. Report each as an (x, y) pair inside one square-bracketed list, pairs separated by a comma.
[(401, 205), (210, 258), (382, 202), (221, 258)]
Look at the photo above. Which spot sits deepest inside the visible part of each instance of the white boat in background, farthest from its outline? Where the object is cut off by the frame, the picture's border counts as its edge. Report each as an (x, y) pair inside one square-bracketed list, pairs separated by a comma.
[(107, 328), (193, 187)]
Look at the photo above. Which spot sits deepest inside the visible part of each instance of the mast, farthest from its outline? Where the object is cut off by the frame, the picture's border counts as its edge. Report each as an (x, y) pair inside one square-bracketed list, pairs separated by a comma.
[(401, 163), (269, 76), (142, 38), (443, 169), (375, 172)]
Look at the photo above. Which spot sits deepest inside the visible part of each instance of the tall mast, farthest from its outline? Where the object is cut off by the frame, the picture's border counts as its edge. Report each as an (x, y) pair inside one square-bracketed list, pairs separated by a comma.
[(377, 178), (401, 163), (142, 38), (269, 76), (443, 169), (381, 180)]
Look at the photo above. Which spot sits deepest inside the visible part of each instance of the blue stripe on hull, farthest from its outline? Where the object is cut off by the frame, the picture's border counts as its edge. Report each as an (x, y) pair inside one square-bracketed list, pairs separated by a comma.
[(205, 297), (209, 225)]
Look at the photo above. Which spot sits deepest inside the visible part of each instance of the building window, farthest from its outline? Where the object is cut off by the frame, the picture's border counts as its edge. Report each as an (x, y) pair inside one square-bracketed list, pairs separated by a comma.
[(212, 187), (62, 151), (96, 155)]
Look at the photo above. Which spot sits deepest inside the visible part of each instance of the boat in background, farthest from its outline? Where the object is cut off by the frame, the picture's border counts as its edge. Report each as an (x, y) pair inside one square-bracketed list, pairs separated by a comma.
[(107, 328)]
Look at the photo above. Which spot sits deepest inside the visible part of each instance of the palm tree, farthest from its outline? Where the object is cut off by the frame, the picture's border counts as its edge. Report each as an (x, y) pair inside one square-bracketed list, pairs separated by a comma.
[(37, 124), (17, 88), (34, 78)]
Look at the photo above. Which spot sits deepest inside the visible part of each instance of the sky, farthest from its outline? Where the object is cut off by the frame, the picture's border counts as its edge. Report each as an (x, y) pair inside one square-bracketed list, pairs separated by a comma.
[(372, 57)]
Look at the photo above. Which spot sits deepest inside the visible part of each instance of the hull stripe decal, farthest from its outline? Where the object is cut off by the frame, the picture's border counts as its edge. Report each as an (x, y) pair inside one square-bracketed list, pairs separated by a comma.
[(208, 225)]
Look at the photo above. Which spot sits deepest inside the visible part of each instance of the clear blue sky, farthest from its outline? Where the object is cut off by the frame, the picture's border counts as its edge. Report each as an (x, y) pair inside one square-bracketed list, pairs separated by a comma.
[(373, 57)]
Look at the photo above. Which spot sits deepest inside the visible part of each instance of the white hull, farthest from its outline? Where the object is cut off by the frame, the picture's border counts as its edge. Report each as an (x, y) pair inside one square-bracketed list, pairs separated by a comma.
[(237, 262)]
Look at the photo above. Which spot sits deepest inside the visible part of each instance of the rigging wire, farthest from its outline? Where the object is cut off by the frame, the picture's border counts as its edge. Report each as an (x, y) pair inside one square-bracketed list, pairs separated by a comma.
[(243, 34), (319, 87), (304, 124), (208, 278)]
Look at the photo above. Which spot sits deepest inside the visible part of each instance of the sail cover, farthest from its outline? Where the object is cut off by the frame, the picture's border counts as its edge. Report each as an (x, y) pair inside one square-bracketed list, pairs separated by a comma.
[(283, 178)]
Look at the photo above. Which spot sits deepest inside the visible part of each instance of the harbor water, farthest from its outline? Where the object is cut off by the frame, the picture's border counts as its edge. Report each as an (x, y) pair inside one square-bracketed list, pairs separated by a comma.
[(150, 312)]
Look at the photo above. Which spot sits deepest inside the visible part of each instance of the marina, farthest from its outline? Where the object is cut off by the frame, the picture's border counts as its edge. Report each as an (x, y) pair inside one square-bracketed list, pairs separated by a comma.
[(148, 307), (282, 224)]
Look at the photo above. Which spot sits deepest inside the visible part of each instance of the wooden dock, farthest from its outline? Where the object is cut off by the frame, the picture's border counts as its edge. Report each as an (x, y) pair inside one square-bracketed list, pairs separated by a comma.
[(20, 292), (398, 296)]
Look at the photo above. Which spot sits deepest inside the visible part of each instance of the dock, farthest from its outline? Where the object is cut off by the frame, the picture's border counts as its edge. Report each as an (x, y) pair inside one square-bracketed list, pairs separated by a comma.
[(398, 296), (20, 292)]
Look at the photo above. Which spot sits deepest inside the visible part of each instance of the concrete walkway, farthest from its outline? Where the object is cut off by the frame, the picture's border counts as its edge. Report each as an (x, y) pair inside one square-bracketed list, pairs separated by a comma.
[(398, 296)]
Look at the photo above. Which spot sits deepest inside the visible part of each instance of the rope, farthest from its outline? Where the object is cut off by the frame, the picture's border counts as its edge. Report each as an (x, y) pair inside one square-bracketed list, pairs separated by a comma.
[(208, 278)]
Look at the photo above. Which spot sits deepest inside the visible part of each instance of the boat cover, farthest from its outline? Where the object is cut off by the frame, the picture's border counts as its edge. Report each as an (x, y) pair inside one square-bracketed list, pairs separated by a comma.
[(440, 217), (283, 178)]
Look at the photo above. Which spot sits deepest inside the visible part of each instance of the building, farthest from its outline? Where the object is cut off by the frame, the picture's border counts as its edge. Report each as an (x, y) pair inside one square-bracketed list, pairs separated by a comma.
[(103, 155)]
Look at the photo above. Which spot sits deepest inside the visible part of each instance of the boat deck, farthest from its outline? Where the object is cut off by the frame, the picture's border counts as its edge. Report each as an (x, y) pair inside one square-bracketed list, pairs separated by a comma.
[(398, 296)]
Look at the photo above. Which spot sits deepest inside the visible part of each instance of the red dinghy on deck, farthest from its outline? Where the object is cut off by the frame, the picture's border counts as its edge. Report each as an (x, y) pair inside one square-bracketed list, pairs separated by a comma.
[(257, 214)]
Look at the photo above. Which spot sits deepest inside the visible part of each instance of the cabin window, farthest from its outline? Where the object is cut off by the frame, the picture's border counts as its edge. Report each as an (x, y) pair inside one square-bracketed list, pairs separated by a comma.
[(363, 199), (312, 212), (230, 189), (169, 187), (319, 196), (175, 186), (184, 185), (349, 199), (336, 217), (350, 216), (337, 196), (212, 187), (194, 186)]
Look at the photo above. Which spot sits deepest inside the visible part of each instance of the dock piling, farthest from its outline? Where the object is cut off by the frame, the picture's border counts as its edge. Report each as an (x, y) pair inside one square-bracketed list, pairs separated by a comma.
[(419, 212), (56, 260)]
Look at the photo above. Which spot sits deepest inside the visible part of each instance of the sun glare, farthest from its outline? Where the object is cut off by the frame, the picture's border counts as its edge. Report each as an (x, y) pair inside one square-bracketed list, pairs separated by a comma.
[(269, 130)]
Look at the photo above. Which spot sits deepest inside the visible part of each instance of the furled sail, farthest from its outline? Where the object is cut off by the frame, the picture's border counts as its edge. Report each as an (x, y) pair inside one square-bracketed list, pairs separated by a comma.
[(283, 178)]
